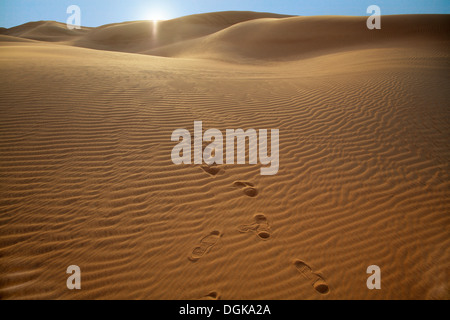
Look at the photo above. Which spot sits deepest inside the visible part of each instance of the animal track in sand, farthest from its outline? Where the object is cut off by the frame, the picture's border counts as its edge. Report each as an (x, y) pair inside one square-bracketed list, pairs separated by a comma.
[(260, 227), (206, 244), (247, 187), (317, 281)]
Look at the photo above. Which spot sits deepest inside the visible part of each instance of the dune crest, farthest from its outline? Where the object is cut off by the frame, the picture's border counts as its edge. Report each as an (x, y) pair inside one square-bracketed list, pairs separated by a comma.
[(299, 37), (244, 36)]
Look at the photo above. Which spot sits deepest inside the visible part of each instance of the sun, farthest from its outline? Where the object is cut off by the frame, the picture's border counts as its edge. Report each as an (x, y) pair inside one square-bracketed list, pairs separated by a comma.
[(157, 15)]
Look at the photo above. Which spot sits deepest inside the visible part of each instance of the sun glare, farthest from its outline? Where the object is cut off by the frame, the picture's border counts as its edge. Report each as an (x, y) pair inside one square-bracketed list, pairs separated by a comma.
[(157, 15)]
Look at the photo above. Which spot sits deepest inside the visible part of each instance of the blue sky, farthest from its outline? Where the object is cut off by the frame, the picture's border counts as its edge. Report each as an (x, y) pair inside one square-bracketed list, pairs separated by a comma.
[(98, 12)]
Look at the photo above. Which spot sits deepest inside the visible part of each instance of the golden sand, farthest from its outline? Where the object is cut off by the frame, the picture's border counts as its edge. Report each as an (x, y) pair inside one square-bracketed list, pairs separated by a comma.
[(86, 176)]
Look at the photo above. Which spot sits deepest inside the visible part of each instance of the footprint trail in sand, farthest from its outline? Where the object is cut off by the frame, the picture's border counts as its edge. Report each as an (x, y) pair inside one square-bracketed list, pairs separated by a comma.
[(247, 187), (260, 227), (206, 244), (211, 170), (317, 281)]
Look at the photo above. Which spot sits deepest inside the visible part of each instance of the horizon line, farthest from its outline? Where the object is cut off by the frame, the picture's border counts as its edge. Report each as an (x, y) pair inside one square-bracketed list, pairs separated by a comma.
[(205, 13)]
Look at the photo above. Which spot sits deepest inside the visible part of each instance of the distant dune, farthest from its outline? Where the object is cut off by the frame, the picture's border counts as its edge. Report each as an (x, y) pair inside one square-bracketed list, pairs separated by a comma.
[(86, 177), (136, 36), (292, 38), (243, 36)]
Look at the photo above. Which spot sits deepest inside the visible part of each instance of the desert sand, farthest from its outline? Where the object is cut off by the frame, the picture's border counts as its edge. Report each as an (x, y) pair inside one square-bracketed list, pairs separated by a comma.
[(86, 176)]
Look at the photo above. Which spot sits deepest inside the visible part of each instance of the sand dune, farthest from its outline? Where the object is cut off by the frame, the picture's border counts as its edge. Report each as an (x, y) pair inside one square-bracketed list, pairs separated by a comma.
[(87, 178), (245, 36), (4, 38), (299, 37), (136, 36), (44, 31)]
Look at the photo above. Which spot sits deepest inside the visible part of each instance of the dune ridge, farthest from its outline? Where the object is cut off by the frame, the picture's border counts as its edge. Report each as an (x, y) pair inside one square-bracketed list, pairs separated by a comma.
[(135, 36), (87, 179), (299, 37), (243, 36)]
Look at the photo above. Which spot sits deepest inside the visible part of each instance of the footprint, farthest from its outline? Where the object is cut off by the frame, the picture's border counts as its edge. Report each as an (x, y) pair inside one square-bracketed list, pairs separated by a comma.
[(247, 187), (317, 281), (212, 296), (205, 245), (211, 170), (261, 227)]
